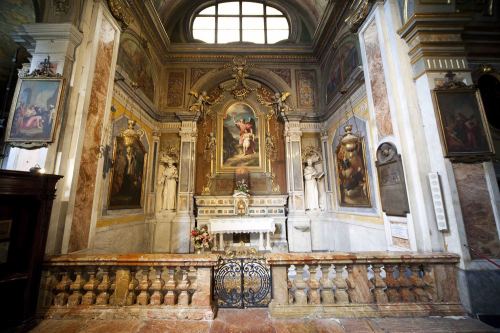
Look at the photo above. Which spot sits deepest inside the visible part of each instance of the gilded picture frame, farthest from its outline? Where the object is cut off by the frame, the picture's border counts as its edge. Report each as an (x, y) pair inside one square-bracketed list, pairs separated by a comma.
[(126, 191), (34, 112), (240, 139), (462, 123)]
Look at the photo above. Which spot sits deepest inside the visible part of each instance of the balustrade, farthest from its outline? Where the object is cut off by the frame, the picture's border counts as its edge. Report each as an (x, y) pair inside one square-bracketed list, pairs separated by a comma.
[(179, 285), (364, 284)]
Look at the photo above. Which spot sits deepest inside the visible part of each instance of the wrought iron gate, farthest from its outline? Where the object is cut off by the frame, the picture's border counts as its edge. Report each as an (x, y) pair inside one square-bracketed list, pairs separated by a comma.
[(242, 283)]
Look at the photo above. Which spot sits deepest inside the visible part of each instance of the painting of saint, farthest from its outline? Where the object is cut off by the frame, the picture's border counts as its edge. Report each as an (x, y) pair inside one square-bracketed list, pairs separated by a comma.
[(240, 137), (127, 176), (134, 61), (33, 115), (462, 123)]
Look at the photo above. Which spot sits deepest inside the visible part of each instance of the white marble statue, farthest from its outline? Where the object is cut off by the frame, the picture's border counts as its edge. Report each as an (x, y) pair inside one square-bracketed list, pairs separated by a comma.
[(321, 185), (168, 185), (311, 186)]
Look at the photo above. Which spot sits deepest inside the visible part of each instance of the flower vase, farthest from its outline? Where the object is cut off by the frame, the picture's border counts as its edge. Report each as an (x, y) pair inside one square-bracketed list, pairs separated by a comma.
[(199, 250)]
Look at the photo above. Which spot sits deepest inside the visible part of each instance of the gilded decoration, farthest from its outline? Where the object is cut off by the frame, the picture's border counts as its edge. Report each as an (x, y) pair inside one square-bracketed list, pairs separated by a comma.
[(352, 174), (120, 9)]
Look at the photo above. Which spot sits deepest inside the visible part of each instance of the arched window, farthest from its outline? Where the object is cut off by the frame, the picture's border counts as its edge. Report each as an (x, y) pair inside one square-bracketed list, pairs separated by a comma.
[(240, 21)]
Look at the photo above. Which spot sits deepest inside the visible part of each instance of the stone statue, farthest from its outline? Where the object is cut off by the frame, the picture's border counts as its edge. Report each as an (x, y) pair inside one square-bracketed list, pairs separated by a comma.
[(321, 185), (168, 184), (311, 186)]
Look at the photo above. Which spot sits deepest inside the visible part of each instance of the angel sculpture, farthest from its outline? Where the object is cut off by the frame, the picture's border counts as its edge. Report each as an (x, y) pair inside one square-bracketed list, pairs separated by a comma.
[(202, 103), (278, 103)]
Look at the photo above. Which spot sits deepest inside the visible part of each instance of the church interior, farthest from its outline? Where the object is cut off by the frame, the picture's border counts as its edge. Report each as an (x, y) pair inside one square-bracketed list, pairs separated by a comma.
[(181, 159)]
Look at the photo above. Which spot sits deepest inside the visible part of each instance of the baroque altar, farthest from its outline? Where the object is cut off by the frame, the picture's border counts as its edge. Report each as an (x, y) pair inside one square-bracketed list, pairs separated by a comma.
[(265, 218)]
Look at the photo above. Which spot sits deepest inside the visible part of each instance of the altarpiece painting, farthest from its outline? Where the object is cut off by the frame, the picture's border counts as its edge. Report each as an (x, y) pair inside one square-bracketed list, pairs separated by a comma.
[(127, 177)]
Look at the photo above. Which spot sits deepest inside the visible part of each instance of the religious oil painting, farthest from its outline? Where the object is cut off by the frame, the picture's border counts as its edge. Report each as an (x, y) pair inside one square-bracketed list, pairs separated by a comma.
[(239, 138), (34, 111), (352, 175), (463, 125), (127, 175)]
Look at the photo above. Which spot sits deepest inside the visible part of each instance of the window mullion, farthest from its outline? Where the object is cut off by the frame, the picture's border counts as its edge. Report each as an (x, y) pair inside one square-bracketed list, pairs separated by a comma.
[(241, 21), (265, 24), (216, 20)]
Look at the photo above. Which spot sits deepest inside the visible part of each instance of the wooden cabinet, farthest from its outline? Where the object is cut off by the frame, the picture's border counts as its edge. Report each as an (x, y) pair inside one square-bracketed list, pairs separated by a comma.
[(25, 208)]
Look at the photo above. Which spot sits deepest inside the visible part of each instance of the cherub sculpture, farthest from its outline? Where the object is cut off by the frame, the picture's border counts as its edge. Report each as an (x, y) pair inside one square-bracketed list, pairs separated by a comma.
[(279, 103), (202, 103)]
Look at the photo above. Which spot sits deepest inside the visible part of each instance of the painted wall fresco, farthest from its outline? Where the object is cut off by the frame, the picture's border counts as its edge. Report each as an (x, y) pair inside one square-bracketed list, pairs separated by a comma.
[(175, 88), (135, 62), (284, 73), (306, 82), (87, 174), (198, 73), (12, 14), (344, 63), (479, 220), (377, 81)]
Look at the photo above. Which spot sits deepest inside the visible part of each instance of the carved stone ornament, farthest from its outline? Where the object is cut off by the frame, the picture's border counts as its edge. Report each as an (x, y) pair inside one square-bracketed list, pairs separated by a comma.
[(60, 6), (119, 10), (450, 82), (311, 152), (359, 10)]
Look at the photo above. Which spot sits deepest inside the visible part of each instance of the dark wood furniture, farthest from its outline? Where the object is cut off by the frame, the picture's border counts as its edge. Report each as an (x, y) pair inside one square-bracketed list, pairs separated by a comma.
[(25, 208)]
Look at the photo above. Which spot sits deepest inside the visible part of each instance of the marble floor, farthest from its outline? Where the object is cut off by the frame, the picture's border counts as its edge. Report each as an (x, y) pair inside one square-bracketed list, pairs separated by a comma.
[(257, 321)]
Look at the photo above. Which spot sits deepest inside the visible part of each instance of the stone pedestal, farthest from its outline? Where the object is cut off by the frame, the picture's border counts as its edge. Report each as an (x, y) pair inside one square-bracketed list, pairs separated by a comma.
[(162, 231), (299, 233)]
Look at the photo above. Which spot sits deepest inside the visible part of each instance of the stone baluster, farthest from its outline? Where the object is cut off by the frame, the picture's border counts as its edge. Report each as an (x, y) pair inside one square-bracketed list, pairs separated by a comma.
[(379, 285), (418, 284), (429, 283), (90, 287), (404, 285), (47, 285), (133, 286), (156, 288), (170, 287), (300, 285), (327, 285), (290, 285), (221, 241), (103, 288), (112, 291), (192, 277), (76, 287), (261, 241), (341, 296), (268, 241), (392, 285), (61, 288), (183, 287), (313, 284), (144, 283)]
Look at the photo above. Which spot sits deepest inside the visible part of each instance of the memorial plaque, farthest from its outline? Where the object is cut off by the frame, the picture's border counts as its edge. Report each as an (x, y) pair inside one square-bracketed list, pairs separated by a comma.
[(391, 181)]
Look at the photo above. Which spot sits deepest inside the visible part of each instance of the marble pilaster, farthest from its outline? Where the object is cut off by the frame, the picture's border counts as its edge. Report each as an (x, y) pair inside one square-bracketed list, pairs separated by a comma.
[(299, 224), (184, 220)]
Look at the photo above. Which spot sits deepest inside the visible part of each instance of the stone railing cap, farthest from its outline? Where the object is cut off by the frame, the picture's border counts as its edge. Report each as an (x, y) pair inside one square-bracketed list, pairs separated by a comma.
[(133, 259), (361, 258)]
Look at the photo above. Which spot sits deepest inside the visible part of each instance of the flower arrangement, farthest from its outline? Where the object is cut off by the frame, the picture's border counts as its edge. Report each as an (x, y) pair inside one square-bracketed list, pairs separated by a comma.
[(241, 186), (201, 238)]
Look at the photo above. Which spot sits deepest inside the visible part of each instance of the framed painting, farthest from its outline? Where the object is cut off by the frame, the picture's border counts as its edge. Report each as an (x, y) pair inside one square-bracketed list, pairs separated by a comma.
[(240, 139), (34, 112), (127, 175), (352, 174), (462, 123)]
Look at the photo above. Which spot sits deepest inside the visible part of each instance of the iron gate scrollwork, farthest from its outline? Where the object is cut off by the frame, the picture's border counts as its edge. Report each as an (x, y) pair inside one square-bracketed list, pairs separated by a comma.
[(242, 283)]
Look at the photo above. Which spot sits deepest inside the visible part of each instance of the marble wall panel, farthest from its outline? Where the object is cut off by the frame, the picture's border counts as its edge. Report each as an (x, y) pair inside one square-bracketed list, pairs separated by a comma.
[(87, 175), (175, 88), (306, 86), (479, 220), (377, 81), (122, 238)]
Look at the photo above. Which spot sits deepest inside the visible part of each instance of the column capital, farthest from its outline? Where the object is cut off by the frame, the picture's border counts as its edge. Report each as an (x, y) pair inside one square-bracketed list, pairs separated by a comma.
[(435, 42), (293, 132), (28, 34)]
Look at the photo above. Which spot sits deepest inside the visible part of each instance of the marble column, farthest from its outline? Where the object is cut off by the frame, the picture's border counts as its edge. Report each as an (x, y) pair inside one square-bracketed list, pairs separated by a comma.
[(184, 220), (299, 224)]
